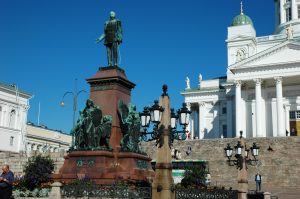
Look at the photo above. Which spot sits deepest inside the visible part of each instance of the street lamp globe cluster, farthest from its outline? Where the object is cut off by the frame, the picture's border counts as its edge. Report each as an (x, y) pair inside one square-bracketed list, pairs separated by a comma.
[(240, 157), (153, 114)]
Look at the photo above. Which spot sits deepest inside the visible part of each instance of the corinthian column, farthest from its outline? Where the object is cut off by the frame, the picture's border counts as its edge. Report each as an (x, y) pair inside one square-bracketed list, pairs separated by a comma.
[(294, 9), (201, 120), (279, 107), (282, 12), (189, 125), (238, 99), (258, 107)]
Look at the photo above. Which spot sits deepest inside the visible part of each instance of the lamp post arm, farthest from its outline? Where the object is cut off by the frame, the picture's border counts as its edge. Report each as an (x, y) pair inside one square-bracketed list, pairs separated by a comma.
[(252, 162), (81, 91), (75, 99), (66, 93), (232, 162)]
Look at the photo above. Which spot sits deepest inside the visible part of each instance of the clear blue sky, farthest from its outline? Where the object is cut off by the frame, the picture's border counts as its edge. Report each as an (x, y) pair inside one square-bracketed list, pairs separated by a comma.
[(45, 45)]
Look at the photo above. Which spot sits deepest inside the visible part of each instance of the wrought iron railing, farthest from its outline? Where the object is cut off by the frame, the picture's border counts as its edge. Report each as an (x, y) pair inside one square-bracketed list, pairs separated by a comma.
[(106, 191), (191, 193), (255, 195)]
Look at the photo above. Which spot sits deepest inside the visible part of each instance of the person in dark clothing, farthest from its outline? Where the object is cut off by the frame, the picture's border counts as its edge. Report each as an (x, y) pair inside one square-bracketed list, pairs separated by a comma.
[(293, 132), (258, 181), (6, 180)]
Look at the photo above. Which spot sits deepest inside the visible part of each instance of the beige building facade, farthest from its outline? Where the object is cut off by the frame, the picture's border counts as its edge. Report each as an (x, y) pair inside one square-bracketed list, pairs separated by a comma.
[(42, 139)]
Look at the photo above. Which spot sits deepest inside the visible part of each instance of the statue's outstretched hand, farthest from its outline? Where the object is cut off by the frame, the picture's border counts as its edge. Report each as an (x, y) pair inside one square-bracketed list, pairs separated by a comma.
[(100, 38)]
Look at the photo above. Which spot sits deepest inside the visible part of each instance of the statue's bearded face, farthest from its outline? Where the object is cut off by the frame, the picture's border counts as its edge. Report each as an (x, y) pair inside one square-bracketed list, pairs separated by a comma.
[(112, 14)]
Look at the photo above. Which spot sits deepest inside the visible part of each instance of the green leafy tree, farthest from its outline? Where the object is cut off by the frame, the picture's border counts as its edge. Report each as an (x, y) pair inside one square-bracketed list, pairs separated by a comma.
[(37, 171), (195, 177)]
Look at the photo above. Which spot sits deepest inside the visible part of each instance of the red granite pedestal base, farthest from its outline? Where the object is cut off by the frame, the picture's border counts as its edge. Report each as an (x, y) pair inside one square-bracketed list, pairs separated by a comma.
[(105, 167)]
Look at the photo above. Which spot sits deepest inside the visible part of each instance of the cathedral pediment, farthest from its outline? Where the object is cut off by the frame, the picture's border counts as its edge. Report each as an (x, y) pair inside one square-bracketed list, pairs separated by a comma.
[(286, 53)]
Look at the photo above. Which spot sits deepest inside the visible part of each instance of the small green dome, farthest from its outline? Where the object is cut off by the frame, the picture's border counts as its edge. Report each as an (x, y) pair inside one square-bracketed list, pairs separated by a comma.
[(241, 19)]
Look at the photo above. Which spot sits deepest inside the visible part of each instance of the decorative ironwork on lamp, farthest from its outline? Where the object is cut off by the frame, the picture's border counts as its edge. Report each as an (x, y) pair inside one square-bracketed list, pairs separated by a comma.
[(153, 114), (240, 157)]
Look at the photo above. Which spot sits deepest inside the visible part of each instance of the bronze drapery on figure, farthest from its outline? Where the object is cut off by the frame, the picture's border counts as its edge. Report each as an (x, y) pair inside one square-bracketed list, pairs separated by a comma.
[(112, 39), (92, 130)]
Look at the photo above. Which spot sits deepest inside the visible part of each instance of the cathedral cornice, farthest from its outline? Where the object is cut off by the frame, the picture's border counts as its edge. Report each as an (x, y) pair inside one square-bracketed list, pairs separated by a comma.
[(206, 90), (240, 38), (267, 67)]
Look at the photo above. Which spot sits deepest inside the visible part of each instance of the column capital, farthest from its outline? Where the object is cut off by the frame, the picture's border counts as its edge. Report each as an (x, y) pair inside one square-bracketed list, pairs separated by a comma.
[(24, 107), (257, 81), (278, 80), (201, 104), (238, 83), (188, 104)]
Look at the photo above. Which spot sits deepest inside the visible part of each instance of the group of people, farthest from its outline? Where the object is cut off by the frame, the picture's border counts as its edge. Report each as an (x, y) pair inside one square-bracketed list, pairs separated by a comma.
[(6, 181)]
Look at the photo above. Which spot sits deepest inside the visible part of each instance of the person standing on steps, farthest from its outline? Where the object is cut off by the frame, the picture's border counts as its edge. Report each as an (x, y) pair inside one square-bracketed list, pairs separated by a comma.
[(258, 182)]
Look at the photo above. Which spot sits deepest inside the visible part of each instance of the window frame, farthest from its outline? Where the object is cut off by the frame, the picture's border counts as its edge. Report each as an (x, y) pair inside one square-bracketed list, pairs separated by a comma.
[(294, 115), (288, 14), (11, 141), (224, 110), (224, 130)]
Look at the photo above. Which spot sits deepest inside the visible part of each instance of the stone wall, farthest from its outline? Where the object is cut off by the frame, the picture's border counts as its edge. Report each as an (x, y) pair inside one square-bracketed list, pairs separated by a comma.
[(280, 165), (17, 161)]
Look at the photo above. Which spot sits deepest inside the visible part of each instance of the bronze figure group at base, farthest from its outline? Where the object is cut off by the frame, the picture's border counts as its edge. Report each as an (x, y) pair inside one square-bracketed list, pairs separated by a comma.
[(93, 129)]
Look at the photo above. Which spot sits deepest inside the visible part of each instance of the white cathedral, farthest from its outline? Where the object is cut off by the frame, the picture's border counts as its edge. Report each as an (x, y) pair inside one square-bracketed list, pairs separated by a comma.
[(260, 95)]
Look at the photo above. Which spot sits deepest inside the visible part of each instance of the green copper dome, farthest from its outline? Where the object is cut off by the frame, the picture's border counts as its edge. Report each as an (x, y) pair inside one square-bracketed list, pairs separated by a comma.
[(241, 19)]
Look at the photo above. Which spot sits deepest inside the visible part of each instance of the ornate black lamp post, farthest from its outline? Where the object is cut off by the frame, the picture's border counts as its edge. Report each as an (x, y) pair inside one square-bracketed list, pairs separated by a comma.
[(242, 159), (164, 120), (75, 94)]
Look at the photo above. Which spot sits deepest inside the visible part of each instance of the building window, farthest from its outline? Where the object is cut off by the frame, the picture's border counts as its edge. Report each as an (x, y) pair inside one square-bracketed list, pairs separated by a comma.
[(224, 130), (295, 115), (12, 117), (292, 115), (288, 12), (224, 110), (11, 140)]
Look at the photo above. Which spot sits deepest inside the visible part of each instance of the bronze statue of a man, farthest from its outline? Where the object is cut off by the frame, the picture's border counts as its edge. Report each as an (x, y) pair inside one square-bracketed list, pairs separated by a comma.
[(113, 38)]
